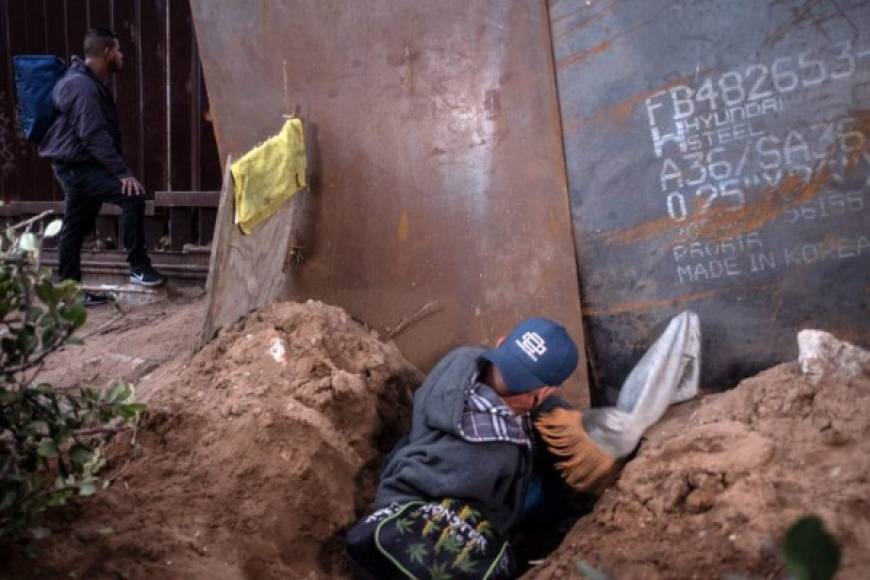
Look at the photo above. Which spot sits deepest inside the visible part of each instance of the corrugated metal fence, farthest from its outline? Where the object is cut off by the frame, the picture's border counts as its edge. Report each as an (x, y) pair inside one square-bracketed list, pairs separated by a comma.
[(167, 134)]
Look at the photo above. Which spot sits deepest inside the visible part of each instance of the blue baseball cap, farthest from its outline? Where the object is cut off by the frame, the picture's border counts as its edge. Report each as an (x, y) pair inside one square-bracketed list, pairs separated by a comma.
[(537, 353)]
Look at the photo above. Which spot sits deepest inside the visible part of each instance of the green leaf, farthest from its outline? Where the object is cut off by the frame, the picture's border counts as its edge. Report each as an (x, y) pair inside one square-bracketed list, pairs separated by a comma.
[(89, 394), (95, 465), (48, 336), (130, 410), (88, 488), (119, 393), (48, 448), (452, 544), (417, 552), (45, 291), (26, 339), (28, 242), (810, 553), (403, 525), (34, 313), (75, 314), (438, 571), (52, 229), (79, 454), (59, 497), (66, 290), (466, 566)]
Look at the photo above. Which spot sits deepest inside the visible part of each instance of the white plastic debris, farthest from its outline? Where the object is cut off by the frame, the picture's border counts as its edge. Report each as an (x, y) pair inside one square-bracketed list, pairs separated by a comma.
[(669, 372), (821, 352), (277, 350)]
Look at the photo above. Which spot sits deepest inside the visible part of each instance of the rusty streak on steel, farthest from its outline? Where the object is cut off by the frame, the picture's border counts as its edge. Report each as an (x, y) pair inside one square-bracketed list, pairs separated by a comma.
[(583, 23), (800, 14), (556, 20), (646, 305), (436, 165), (583, 55), (841, 12), (619, 113), (604, 45), (721, 222)]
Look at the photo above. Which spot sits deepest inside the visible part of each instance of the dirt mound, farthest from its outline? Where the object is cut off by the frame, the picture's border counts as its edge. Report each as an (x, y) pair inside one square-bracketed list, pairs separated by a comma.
[(261, 449), (259, 454), (716, 484)]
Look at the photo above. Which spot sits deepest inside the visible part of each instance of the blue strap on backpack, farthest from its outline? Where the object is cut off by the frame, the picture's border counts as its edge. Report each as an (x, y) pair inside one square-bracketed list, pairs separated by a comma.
[(35, 77)]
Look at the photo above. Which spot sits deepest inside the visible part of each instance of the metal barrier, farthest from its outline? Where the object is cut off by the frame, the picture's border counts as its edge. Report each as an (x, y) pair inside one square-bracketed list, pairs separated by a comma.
[(716, 152), (718, 159), (433, 139)]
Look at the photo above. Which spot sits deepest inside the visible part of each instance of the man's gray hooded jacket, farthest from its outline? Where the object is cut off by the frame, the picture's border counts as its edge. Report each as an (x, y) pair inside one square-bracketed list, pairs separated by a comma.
[(435, 462)]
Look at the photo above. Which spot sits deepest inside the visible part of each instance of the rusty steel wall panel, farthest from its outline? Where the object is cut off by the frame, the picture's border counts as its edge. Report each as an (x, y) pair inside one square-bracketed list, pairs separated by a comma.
[(718, 156), (437, 168)]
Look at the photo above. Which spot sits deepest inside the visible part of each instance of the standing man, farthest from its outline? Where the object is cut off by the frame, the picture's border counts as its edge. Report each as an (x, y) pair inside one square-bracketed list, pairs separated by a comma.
[(457, 485), (84, 147)]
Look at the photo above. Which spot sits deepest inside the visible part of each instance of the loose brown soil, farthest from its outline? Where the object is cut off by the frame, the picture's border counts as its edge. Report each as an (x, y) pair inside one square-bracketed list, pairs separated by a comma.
[(256, 453), (716, 484), (262, 448)]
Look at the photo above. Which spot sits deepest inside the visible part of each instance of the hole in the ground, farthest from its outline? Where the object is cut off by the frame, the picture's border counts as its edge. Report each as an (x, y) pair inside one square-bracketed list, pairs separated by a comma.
[(556, 509)]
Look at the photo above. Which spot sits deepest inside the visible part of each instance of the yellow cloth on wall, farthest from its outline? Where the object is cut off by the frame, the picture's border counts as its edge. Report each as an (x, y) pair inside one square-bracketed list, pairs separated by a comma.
[(268, 175)]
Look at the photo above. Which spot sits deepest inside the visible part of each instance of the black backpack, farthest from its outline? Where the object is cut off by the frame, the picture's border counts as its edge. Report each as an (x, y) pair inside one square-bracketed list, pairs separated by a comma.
[(426, 540)]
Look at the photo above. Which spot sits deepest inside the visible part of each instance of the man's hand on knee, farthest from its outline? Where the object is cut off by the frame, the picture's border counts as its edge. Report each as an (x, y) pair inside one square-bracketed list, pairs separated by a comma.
[(132, 186)]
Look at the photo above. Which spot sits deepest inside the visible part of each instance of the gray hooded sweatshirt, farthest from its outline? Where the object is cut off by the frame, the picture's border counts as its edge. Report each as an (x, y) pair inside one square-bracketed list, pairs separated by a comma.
[(435, 462)]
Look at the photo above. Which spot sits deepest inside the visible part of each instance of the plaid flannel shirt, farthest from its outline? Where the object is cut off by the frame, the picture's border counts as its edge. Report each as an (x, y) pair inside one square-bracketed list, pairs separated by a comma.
[(487, 418)]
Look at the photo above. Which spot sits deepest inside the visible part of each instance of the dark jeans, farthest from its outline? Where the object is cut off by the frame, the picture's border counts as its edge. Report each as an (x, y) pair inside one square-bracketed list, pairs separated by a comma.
[(86, 186)]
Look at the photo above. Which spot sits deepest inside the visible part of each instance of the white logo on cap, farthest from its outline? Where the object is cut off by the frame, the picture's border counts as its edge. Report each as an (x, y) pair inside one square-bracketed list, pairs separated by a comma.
[(532, 344)]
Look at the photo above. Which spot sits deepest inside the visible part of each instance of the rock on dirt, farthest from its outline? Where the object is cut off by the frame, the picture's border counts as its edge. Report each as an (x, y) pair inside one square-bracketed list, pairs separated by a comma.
[(718, 481), (256, 455)]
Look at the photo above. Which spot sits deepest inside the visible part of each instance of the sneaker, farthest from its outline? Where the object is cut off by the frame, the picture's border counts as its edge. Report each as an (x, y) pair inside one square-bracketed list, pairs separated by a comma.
[(90, 299), (146, 276)]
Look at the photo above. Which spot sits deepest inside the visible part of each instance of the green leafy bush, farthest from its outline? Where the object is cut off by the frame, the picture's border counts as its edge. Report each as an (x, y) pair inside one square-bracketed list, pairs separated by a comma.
[(51, 439)]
